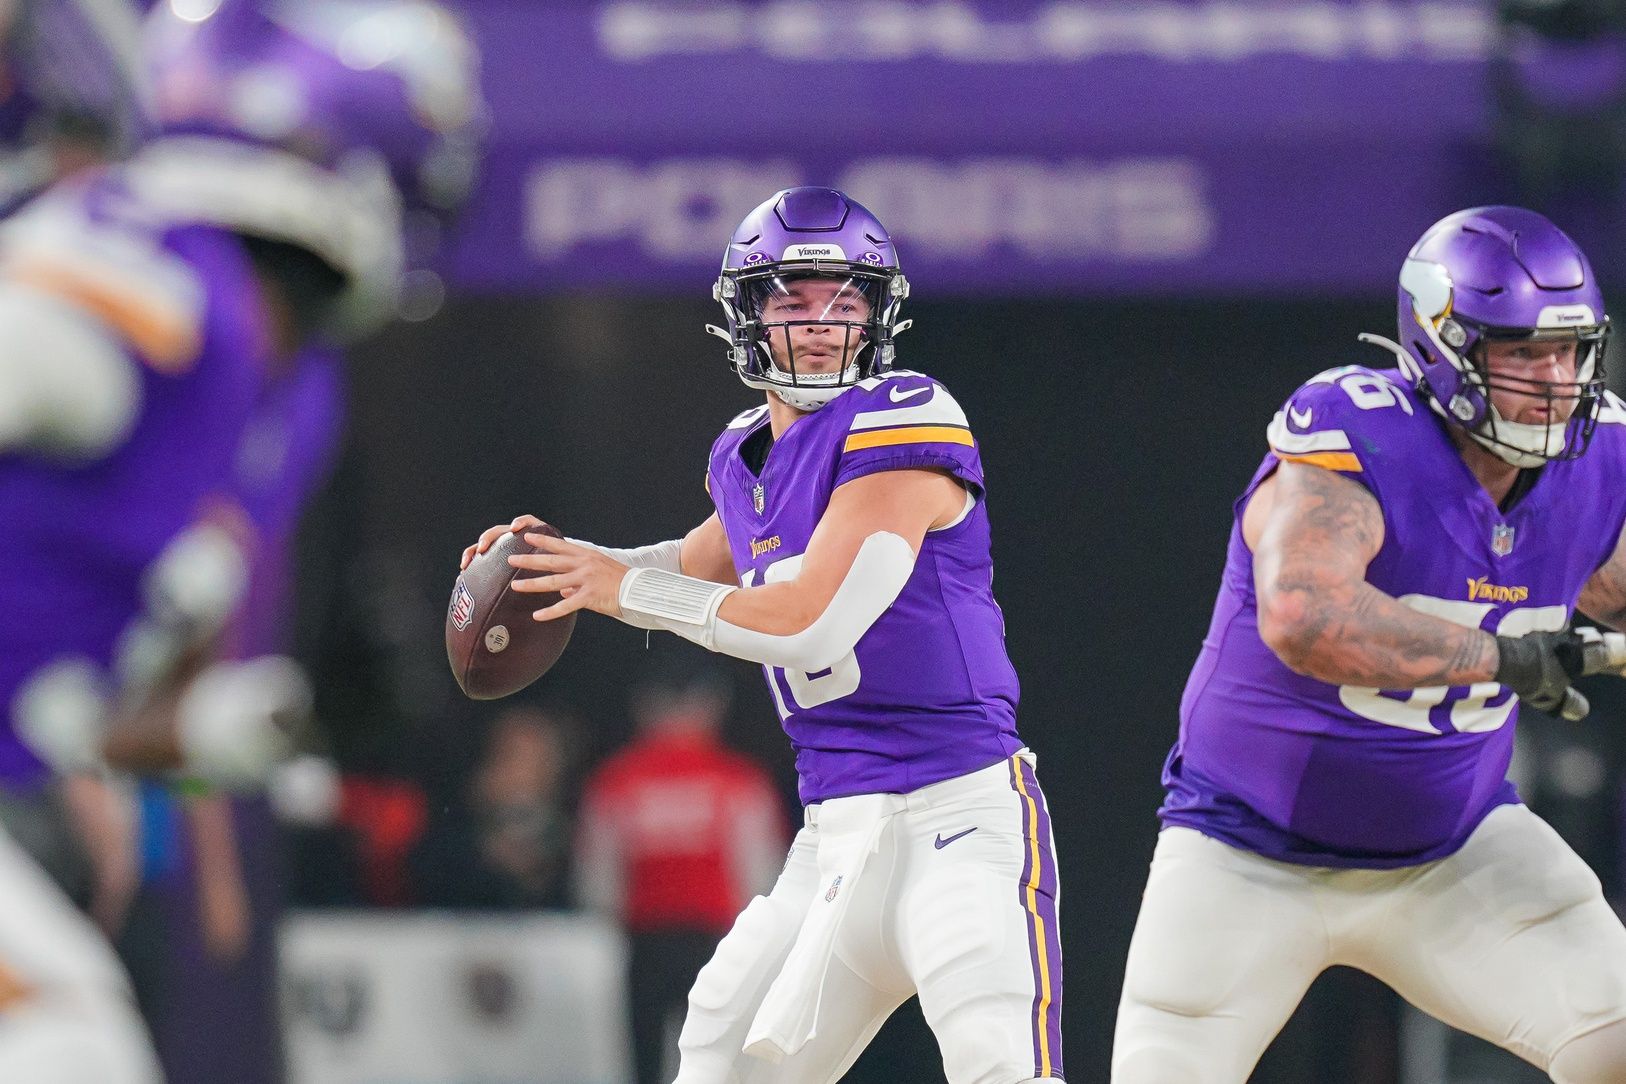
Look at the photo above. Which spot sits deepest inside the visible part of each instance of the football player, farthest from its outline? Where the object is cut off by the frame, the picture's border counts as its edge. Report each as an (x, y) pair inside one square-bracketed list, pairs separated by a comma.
[(849, 555), (153, 314), (1401, 576)]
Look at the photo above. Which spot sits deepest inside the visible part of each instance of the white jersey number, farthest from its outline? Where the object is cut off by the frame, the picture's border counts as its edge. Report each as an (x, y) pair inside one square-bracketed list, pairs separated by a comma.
[(808, 690), (1473, 714)]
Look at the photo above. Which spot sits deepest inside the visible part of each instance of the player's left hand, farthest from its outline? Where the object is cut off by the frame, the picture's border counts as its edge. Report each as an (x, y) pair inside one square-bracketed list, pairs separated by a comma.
[(1602, 652), (586, 578)]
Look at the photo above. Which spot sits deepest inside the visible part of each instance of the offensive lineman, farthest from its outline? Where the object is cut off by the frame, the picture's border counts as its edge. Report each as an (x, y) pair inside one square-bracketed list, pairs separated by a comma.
[(849, 554), (1400, 575)]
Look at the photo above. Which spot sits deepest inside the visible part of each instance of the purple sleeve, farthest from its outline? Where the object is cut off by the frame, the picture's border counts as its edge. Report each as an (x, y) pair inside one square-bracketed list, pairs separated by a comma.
[(910, 422)]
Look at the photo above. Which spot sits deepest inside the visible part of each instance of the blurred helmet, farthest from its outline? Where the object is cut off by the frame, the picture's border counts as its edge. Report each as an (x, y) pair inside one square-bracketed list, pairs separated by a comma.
[(72, 84), (1502, 274), (798, 234), (331, 125)]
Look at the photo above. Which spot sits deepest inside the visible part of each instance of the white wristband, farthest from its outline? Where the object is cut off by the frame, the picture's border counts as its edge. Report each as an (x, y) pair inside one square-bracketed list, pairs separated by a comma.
[(653, 598), (666, 556)]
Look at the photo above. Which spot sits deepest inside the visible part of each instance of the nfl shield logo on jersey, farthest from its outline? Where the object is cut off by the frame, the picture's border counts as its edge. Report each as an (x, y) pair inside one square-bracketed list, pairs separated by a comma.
[(758, 497), (462, 606), (835, 886), (1502, 540)]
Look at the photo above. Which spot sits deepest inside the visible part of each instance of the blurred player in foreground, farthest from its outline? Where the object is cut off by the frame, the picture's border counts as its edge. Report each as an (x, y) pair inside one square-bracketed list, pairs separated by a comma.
[(152, 313), (1402, 572), (849, 554)]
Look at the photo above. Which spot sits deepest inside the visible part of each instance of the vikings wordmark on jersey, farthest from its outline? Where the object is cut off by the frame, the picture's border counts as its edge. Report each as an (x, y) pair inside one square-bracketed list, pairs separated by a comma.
[(939, 650), (1303, 771)]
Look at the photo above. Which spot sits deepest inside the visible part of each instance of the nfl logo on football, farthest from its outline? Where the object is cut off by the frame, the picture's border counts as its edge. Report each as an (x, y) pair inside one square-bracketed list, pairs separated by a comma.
[(1502, 540), (462, 606)]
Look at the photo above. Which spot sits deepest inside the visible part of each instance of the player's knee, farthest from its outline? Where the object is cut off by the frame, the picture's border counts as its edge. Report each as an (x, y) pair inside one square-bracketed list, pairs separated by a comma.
[(1158, 1065), (1598, 1057), (970, 1058)]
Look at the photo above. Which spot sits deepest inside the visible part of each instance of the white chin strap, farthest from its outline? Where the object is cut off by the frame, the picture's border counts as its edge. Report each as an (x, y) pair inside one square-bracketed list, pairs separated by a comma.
[(809, 392), (1522, 445)]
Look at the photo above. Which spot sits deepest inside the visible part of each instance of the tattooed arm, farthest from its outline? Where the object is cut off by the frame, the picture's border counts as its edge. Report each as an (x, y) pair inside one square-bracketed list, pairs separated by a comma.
[(1604, 597), (1312, 533)]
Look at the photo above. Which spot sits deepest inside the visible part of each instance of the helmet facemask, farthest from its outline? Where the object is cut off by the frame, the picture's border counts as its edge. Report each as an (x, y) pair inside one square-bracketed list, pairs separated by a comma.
[(1531, 444), (809, 333)]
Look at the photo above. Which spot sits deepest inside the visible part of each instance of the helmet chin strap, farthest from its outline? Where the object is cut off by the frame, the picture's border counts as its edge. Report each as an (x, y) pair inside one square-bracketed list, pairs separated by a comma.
[(808, 392), (1521, 444)]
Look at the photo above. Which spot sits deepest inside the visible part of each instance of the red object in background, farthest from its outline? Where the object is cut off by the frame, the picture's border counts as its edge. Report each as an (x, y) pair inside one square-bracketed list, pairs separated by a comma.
[(386, 816), (678, 833)]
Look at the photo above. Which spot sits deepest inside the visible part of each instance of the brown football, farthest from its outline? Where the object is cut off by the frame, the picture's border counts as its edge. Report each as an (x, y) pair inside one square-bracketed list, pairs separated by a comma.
[(493, 644)]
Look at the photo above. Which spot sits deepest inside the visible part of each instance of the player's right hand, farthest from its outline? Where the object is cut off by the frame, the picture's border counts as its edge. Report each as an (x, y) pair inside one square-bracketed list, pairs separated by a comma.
[(1539, 667), (489, 537)]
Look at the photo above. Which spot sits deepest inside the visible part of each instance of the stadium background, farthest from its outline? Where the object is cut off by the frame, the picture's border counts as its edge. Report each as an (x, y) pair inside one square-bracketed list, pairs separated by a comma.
[(1131, 229)]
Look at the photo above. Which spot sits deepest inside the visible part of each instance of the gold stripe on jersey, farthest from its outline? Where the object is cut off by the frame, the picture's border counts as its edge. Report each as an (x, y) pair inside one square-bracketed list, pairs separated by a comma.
[(169, 341), (1344, 461), (914, 434)]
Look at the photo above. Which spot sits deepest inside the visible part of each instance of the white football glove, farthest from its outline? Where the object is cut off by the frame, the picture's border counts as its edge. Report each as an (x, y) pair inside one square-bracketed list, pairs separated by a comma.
[(236, 721)]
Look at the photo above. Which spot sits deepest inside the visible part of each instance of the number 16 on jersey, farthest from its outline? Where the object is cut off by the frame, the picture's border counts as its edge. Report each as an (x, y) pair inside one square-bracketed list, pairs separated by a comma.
[(805, 690)]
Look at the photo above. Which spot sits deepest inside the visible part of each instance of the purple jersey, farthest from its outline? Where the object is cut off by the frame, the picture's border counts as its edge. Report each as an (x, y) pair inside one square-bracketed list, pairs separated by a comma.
[(1303, 771), (286, 454), (928, 693), (76, 538)]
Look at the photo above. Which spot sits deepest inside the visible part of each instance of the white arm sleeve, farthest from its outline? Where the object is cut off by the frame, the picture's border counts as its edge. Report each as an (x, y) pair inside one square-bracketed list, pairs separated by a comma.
[(663, 555), (657, 599), (66, 386)]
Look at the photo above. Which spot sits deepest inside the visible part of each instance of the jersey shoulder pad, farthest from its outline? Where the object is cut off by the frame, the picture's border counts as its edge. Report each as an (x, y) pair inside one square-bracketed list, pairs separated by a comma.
[(1612, 411), (734, 432), (904, 408), (1609, 437), (1322, 421), (113, 265), (745, 419)]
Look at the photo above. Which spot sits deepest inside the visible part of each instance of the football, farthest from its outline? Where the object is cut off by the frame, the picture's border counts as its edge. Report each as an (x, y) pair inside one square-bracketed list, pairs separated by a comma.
[(493, 644)]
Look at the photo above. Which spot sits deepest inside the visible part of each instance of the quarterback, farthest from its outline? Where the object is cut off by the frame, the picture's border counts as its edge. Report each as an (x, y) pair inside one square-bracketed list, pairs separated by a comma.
[(849, 555), (1401, 576)]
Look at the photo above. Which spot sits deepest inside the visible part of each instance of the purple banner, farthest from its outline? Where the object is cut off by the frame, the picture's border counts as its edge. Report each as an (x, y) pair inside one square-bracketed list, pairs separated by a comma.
[(1059, 147)]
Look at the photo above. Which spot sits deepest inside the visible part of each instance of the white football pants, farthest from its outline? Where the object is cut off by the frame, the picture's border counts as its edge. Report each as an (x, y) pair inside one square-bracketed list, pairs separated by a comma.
[(67, 1016), (1508, 939), (957, 902)]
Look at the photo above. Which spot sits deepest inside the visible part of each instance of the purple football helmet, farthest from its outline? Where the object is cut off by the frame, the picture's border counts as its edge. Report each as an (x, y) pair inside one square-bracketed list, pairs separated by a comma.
[(319, 123), (797, 235), (72, 88), (1502, 274)]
